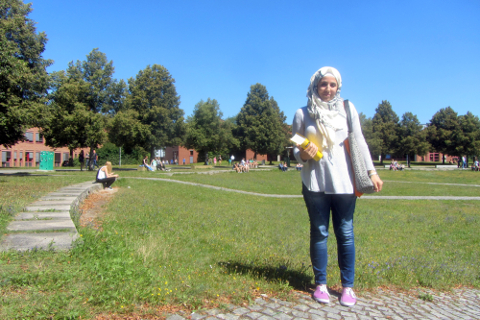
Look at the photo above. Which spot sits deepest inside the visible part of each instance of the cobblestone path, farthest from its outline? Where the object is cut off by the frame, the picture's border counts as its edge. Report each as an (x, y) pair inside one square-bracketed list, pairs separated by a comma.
[(382, 305)]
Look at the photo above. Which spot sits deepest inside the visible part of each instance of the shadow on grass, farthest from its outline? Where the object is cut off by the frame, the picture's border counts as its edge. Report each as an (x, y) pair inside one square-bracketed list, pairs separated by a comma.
[(23, 174), (299, 280)]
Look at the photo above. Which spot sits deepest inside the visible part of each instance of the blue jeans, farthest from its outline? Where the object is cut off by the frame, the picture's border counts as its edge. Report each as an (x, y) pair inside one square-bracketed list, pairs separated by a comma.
[(342, 206)]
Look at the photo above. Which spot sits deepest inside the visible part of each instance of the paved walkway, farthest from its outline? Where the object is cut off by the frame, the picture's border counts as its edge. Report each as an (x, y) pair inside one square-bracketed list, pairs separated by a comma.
[(381, 305), (47, 223)]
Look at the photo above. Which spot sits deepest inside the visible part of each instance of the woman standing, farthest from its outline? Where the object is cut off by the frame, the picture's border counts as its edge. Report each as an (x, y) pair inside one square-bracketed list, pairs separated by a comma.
[(328, 183)]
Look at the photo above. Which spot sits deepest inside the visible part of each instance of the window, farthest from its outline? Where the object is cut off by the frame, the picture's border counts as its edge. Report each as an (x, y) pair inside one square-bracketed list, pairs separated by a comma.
[(38, 137), (28, 159), (434, 157), (57, 159), (29, 136), (6, 155)]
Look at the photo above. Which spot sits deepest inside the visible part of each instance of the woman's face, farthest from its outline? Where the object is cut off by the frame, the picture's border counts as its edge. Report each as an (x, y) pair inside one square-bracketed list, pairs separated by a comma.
[(327, 88)]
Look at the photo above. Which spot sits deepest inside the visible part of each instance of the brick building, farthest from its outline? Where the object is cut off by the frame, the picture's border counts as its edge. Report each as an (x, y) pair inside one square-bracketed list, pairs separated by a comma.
[(179, 153), (191, 156), (27, 153)]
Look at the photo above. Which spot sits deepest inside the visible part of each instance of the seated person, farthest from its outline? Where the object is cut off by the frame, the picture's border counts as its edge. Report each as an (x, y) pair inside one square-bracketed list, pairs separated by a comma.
[(237, 168), (280, 166), (160, 165), (393, 165), (145, 164), (475, 165), (153, 164), (285, 167), (106, 176), (299, 166)]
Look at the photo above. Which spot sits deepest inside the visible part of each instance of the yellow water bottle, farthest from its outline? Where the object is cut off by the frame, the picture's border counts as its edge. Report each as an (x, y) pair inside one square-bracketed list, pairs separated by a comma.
[(304, 142)]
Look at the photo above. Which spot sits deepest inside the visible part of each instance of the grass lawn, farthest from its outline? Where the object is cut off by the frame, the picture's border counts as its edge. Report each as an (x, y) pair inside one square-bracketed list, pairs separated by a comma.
[(168, 244)]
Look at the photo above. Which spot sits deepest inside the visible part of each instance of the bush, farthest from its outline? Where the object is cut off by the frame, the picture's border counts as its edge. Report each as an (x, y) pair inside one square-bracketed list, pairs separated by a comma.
[(110, 152)]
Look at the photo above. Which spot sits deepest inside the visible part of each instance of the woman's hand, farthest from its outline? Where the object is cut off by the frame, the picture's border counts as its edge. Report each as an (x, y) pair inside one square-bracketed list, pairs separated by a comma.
[(377, 182), (309, 153)]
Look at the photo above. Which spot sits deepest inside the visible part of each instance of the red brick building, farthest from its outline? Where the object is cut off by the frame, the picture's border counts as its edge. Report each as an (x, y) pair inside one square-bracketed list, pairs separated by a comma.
[(179, 153), (191, 156), (27, 153), (436, 157), (251, 155)]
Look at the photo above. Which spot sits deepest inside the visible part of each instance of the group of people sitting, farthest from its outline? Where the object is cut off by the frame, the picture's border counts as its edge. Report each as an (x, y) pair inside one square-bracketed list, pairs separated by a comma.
[(283, 166), (395, 166), (245, 166), (155, 164)]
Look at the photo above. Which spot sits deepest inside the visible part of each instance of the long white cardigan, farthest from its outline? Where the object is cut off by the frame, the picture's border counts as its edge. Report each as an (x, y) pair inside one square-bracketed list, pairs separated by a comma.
[(333, 173)]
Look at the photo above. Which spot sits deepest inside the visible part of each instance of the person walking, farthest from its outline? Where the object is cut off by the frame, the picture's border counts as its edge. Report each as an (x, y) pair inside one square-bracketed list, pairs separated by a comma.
[(95, 158), (81, 159), (327, 184)]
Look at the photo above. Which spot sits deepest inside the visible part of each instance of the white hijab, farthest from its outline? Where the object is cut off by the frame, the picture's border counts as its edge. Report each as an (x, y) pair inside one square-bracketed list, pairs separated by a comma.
[(325, 112)]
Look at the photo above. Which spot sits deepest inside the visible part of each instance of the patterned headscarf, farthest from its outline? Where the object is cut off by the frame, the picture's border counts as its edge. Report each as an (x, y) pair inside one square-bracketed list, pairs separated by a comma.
[(325, 112)]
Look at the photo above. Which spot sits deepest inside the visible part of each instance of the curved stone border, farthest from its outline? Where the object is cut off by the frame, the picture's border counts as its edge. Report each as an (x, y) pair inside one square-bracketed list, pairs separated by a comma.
[(47, 223)]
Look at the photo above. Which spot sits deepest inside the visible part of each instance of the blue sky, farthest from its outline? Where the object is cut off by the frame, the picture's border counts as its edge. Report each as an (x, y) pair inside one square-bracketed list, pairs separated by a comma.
[(421, 56)]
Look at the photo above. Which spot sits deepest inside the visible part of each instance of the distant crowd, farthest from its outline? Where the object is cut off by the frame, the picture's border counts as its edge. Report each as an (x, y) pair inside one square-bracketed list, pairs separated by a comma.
[(244, 166)]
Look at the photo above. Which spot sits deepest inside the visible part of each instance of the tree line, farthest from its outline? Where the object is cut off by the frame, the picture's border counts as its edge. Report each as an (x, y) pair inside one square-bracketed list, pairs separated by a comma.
[(447, 133), (83, 106)]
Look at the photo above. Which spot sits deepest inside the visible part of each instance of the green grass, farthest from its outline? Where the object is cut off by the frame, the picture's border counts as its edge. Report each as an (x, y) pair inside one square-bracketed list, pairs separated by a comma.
[(165, 243), (17, 191)]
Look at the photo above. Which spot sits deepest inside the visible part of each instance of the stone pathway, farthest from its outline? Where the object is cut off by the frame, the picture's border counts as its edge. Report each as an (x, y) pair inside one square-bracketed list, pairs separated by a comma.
[(381, 305), (47, 222), (364, 197)]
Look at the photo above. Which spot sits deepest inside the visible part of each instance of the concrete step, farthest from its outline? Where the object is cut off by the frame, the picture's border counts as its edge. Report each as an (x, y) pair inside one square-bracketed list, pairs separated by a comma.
[(42, 225), (36, 226), (44, 208), (38, 215), (53, 198), (30, 241), (51, 203)]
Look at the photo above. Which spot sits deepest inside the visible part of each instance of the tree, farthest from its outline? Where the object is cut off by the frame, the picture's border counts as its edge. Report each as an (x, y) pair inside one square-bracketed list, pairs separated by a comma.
[(412, 137), (152, 117), (469, 143), (373, 140), (23, 77), (385, 125), (260, 123), (207, 132), (444, 132), (81, 98)]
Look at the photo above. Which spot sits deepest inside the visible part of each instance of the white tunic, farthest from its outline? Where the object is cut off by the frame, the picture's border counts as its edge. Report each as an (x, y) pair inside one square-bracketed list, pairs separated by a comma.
[(333, 173)]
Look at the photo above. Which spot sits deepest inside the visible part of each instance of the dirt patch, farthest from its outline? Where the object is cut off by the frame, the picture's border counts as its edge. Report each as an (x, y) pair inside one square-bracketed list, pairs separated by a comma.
[(92, 209)]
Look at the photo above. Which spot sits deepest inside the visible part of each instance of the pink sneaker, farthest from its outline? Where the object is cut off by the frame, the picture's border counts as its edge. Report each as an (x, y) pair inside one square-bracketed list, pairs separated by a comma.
[(321, 294), (348, 298)]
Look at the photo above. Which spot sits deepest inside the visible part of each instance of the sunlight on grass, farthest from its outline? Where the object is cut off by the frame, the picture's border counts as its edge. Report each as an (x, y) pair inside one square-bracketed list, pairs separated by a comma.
[(166, 243)]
